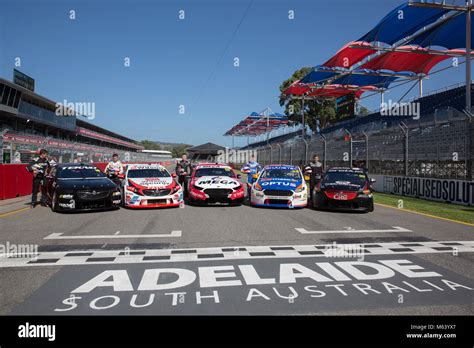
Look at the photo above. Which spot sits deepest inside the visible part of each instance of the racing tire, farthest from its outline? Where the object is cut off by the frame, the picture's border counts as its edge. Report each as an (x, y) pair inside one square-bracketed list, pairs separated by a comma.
[(237, 202), (54, 203)]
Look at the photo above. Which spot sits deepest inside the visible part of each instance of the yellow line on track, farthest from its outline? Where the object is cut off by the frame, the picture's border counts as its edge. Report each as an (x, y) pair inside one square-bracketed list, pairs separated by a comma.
[(13, 212), (424, 214)]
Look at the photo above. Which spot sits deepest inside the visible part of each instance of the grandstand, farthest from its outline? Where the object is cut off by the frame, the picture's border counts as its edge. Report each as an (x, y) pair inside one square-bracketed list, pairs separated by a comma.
[(28, 121)]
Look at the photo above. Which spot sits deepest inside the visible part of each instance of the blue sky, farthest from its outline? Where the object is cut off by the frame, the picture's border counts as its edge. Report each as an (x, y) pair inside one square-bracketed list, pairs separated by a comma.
[(181, 62)]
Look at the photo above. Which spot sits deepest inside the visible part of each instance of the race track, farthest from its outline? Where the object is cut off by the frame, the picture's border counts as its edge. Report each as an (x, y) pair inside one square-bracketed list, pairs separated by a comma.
[(269, 261)]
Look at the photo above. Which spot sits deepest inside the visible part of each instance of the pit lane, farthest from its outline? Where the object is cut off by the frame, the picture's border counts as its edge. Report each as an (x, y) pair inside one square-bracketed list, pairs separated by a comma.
[(41, 288)]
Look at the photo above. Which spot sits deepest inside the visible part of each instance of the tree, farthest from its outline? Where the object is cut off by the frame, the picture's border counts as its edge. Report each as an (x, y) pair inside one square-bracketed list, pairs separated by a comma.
[(323, 110)]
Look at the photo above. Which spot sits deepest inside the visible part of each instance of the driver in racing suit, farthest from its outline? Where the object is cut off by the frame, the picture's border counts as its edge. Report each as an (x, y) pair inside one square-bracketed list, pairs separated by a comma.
[(113, 169), (251, 168), (315, 169), (183, 170)]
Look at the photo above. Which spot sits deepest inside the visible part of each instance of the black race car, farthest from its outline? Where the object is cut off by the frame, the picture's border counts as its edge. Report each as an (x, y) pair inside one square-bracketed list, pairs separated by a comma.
[(344, 189), (80, 187)]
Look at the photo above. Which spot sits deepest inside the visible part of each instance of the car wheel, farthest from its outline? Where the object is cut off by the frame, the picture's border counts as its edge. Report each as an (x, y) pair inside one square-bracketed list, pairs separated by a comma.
[(54, 202)]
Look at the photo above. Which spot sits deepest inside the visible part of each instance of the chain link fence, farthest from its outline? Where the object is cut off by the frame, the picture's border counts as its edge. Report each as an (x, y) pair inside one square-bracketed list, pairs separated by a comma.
[(440, 146)]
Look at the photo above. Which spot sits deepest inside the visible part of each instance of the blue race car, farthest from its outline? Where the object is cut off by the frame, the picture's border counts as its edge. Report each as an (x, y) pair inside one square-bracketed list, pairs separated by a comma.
[(280, 186)]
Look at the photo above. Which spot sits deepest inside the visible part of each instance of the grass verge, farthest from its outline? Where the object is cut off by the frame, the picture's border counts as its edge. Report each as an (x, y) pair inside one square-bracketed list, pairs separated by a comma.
[(443, 210)]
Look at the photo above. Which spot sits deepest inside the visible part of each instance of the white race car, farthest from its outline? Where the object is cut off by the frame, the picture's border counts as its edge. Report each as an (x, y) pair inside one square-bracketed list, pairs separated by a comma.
[(215, 183), (150, 186), (280, 186)]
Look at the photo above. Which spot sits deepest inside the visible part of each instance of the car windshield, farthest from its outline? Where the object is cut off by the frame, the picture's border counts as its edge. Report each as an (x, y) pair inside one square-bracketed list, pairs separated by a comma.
[(356, 178), (280, 173), (214, 172), (72, 172), (148, 173)]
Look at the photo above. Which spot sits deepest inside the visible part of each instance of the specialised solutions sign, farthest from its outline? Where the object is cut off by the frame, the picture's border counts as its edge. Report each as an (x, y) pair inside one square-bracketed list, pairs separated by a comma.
[(443, 190)]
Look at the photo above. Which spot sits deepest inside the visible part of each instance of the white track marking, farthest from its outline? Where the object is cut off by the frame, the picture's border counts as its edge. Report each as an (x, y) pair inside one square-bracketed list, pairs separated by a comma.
[(173, 234), (395, 229), (278, 252)]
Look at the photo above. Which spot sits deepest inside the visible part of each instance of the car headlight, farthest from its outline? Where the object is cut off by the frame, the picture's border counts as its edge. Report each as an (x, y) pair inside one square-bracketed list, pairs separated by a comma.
[(175, 189), (66, 196), (258, 187), (300, 188), (116, 193)]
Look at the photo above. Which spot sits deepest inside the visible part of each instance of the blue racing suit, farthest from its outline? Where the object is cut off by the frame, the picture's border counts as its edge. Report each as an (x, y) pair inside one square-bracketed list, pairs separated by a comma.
[(251, 168)]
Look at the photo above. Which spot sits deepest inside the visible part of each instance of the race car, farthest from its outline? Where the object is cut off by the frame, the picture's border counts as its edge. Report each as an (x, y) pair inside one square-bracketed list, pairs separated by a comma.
[(150, 186), (280, 186), (215, 183), (80, 187), (344, 189)]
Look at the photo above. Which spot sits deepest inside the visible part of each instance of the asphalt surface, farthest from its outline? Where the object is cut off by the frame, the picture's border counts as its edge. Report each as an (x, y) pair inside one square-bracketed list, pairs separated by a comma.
[(236, 260)]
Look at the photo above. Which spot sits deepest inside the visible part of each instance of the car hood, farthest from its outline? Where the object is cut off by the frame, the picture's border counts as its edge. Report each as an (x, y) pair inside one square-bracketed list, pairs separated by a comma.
[(86, 183), (216, 182), (152, 182), (279, 184)]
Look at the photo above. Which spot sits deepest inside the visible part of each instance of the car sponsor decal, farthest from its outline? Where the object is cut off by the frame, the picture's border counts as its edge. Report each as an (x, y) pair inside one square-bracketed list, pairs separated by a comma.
[(217, 180), (152, 182), (281, 184)]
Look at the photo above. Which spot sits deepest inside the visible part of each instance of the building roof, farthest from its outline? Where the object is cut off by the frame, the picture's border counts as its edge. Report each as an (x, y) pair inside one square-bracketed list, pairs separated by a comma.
[(207, 148)]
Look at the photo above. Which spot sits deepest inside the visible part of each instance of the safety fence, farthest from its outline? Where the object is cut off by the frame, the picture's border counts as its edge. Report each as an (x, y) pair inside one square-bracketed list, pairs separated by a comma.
[(435, 147)]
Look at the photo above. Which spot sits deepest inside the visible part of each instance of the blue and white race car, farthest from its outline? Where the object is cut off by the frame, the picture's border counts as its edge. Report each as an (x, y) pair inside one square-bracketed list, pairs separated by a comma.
[(280, 186)]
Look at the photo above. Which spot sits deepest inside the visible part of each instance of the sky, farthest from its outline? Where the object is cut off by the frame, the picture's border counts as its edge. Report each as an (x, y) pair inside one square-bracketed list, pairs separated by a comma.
[(182, 84)]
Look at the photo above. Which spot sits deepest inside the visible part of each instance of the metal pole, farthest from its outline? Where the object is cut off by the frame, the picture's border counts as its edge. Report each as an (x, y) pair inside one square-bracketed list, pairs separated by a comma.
[(324, 140), (421, 87), (302, 117), (366, 151), (468, 55), (232, 141), (350, 148)]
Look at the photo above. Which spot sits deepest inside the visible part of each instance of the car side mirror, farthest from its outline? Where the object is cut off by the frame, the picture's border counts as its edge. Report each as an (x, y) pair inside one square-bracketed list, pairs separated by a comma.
[(121, 176), (255, 176), (239, 176), (173, 175)]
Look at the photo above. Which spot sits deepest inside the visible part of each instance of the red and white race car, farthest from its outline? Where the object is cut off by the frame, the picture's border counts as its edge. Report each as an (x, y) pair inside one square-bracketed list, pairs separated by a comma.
[(150, 186), (215, 183)]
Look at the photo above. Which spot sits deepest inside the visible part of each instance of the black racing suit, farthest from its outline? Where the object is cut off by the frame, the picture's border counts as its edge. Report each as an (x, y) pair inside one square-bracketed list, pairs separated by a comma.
[(183, 169), (38, 167), (316, 174)]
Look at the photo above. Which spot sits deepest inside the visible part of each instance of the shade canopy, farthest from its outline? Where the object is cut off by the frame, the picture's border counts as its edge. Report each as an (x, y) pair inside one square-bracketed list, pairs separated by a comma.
[(402, 22), (257, 124), (416, 60), (350, 54), (450, 35)]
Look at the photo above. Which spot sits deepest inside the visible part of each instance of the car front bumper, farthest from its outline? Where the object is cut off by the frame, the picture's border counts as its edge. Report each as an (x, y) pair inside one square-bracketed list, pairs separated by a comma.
[(297, 200), (359, 203)]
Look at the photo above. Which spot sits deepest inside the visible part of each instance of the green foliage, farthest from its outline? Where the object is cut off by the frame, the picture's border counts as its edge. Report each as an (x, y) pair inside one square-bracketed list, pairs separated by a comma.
[(323, 109)]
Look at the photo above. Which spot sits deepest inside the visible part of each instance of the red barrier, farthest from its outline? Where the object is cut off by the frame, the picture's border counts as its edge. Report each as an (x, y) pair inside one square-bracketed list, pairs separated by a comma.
[(16, 181)]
